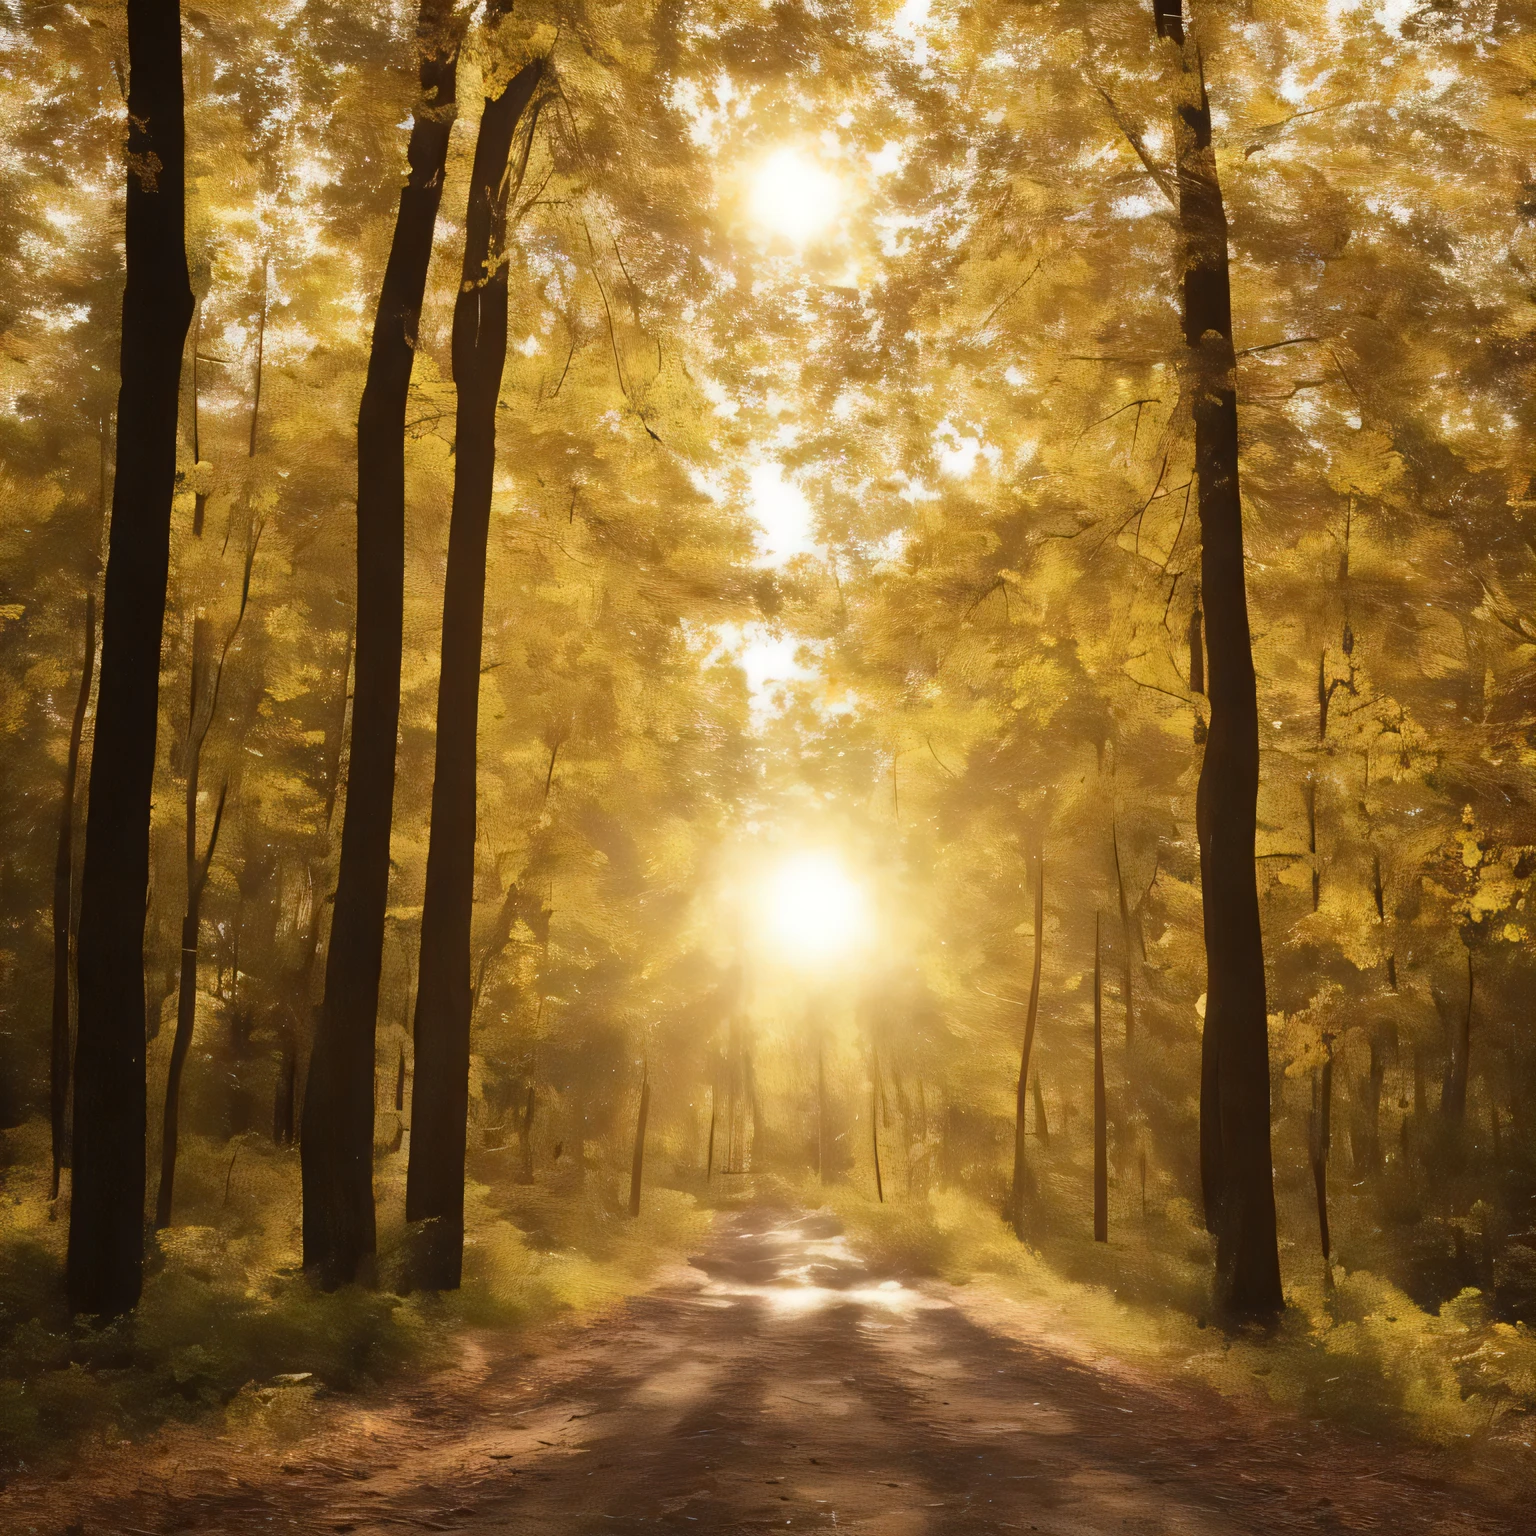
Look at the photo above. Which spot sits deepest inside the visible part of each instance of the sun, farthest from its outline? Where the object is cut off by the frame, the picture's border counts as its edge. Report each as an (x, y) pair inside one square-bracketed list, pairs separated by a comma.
[(815, 911), (794, 197)]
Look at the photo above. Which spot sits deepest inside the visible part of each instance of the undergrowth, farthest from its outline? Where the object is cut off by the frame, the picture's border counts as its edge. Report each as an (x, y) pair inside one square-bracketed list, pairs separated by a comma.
[(230, 1330), (1351, 1348)]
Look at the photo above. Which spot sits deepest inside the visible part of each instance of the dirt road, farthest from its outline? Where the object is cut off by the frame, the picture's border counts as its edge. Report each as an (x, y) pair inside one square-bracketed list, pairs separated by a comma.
[(778, 1384)]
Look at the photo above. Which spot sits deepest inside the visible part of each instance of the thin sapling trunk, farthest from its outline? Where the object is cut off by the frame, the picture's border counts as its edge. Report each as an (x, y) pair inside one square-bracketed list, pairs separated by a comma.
[(63, 897), (1100, 1127), (1020, 1165), (637, 1162)]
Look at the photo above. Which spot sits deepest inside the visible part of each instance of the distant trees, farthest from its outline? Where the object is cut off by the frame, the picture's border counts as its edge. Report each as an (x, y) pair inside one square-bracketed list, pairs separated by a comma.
[(207, 677), (106, 1217)]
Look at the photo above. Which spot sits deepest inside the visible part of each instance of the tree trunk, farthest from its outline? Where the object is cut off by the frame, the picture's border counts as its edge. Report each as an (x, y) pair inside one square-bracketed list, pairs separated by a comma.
[(106, 1217), (1100, 1117), (197, 879), (637, 1163), (1020, 1166), (1317, 873), (709, 1164), (202, 705), (434, 1187), (1128, 972), (1235, 1160), (337, 1134), (63, 897), (1320, 1141), (874, 1124), (1042, 1130)]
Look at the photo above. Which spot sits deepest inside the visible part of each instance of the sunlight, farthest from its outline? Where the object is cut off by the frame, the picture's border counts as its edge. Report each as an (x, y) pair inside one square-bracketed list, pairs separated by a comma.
[(783, 515), (794, 198), (814, 909)]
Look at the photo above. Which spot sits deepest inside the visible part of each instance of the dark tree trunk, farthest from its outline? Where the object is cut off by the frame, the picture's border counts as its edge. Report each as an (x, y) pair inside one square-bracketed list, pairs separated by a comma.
[(1042, 1130), (1100, 1116), (63, 898), (434, 1188), (400, 1085), (1320, 1141), (1020, 1165), (1317, 873), (106, 1217), (637, 1163), (337, 1133), (1235, 1160), (1128, 964), (874, 1124)]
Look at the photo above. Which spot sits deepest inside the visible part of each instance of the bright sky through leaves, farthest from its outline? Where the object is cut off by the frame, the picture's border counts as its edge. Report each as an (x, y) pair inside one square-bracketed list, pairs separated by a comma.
[(793, 197), (814, 909)]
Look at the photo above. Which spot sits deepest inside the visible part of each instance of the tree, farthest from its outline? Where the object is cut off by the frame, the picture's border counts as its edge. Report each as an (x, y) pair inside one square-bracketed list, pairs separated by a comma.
[(1100, 1106), (106, 1238), (637, 1162), (336, 1141), (1235, 1157), (1020, 1166), (202, 707), (63, 915), (439, 1106)]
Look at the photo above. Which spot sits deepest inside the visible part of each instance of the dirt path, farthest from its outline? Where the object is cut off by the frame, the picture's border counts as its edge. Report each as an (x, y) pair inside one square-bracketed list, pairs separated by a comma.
[(776, 1385)]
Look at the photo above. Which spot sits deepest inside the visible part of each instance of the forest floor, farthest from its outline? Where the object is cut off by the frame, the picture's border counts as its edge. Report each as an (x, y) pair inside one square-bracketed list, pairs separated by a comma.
[(775, 1382)]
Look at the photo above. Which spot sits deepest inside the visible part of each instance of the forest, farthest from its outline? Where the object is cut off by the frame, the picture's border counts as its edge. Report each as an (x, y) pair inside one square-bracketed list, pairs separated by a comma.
[(704, 701)]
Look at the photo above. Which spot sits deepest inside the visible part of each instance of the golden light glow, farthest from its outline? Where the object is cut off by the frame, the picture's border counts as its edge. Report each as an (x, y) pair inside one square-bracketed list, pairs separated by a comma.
[(794, 197), (815, 911)]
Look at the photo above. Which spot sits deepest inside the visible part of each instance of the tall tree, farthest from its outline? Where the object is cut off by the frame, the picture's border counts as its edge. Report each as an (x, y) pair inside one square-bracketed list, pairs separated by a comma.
[(637, 1161), (1100, 1106), (63, 899), (434, 1190), (337, 1131), (1235, 1160), (106, 1217), (1020, 1167)]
